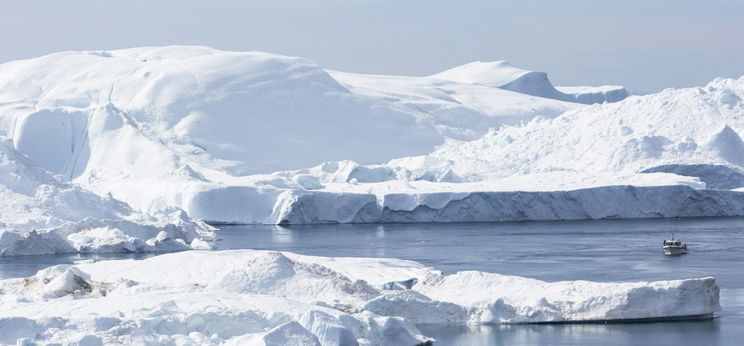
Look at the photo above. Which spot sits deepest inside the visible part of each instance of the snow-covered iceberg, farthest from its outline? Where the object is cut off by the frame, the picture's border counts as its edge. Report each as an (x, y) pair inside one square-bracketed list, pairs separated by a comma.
[(272, 298), (39, 214)]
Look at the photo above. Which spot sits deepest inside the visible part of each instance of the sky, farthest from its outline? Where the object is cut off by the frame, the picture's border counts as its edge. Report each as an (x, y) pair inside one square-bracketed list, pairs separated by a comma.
[(646, 45)]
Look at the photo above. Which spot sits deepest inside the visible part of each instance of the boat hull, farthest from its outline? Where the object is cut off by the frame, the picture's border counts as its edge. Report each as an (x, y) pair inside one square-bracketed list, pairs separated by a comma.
[(673, 251)]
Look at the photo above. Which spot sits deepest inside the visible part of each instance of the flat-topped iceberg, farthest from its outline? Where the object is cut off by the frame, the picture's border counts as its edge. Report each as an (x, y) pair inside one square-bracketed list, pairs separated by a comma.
[(271, 298)]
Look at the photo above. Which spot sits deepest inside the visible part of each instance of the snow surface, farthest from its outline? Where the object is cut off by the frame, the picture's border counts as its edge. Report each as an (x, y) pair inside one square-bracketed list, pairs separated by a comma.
[(39, 214), (279, 298)]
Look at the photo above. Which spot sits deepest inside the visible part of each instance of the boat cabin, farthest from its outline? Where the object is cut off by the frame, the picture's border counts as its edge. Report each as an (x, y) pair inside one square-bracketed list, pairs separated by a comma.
[(672, 242)]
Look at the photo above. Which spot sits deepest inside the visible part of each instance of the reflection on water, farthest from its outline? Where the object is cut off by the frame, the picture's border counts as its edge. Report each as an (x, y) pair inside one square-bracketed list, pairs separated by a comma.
[(282, 235), (380, 232), (676, 333)]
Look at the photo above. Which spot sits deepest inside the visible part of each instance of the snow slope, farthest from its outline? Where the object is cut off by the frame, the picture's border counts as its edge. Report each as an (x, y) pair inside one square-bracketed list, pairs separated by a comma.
[(39, 214), (459, 110), (275, 298)]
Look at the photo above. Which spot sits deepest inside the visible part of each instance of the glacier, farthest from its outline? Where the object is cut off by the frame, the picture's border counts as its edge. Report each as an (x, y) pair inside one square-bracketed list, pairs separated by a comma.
[(271, 298)]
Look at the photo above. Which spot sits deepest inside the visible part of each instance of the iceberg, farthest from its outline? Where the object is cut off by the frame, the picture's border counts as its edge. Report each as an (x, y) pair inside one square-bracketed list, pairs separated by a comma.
[(281, 298)]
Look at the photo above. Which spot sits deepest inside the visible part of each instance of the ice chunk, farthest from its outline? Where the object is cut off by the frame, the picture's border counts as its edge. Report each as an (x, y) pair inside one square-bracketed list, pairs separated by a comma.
[(290, 334), (71, 281)]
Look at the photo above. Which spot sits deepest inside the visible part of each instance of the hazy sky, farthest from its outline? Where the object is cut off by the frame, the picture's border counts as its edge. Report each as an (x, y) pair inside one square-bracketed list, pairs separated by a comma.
[(646, 45)]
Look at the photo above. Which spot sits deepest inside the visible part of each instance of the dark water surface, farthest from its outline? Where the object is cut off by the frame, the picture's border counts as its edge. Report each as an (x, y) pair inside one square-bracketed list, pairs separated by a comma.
[(607, 250)]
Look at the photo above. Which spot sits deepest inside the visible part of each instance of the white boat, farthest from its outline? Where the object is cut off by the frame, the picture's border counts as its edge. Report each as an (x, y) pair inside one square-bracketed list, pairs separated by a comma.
[(673, 246)]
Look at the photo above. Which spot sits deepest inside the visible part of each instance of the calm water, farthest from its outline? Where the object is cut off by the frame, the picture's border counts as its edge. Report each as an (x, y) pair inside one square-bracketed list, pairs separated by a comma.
[(617, 250)]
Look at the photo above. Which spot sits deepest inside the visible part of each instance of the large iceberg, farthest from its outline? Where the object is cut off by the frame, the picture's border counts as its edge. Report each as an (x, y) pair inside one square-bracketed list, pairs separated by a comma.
[(280, 298), (250, 137)]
